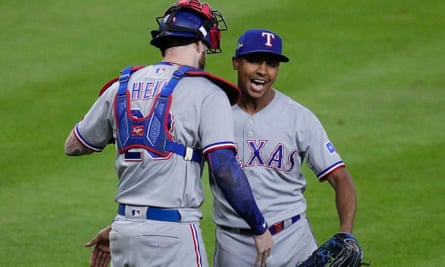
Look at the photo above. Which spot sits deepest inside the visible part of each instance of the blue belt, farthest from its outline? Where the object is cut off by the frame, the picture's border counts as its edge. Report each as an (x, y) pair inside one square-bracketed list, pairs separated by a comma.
[(274, 229), (153, 213)]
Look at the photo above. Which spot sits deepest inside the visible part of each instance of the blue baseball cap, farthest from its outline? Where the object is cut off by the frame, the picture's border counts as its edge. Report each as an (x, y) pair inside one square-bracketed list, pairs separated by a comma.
[(260, 41)]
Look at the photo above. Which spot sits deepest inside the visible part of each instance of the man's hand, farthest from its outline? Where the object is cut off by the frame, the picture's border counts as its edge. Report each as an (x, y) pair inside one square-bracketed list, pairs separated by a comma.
[(263, 244), (101, 256)]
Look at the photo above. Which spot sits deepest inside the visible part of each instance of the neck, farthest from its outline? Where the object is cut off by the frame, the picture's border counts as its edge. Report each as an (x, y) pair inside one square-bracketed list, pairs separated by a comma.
[(182, 55), (254, 105)]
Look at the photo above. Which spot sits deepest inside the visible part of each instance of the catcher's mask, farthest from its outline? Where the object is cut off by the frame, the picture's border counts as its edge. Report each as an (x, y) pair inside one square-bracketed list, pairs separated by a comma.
[(189, 21)]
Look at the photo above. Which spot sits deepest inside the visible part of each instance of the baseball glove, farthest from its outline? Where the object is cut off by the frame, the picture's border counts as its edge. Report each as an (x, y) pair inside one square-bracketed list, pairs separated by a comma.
[(342, 250)]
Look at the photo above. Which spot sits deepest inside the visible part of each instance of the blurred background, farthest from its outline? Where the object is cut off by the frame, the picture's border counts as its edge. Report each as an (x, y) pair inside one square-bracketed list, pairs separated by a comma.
[(372, 71)]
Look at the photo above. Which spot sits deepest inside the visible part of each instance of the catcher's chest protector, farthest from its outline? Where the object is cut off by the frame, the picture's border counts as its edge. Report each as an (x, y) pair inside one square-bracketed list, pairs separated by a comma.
[(150, 132)]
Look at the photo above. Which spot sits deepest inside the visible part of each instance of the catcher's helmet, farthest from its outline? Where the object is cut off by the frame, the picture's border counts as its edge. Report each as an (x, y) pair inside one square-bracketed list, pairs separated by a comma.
[(189, 21)]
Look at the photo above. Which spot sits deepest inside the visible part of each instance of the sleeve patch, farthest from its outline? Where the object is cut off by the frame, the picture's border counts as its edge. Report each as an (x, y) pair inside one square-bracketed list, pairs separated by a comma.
[(330, 147)]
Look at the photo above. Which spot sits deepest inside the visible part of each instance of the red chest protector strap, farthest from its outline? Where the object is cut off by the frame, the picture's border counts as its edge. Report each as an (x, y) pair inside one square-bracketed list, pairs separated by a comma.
[(231, 90)]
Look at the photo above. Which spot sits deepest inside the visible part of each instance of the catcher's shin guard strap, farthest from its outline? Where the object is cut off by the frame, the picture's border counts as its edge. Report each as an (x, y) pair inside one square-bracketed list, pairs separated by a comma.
[(188, 152)]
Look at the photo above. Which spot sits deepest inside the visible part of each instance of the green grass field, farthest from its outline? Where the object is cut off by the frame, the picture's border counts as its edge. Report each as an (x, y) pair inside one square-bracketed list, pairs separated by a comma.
[(373, 71)]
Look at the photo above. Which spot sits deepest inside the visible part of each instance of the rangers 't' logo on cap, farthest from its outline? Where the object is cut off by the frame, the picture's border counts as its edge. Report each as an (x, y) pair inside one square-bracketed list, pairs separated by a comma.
[(260, 41), (269, 38)]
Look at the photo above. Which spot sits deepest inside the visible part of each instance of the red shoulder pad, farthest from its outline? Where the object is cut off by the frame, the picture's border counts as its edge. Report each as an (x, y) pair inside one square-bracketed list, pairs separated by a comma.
[(231, 90), (107, 85)]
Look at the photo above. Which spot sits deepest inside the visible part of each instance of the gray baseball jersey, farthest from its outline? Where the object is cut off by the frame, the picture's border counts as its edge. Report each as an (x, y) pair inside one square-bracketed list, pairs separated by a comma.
[(272, 146), (199, 117), (169, 182)]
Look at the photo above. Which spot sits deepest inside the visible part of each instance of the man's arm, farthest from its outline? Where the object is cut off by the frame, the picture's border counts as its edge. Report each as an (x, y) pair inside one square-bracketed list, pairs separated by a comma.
[(233, 183), (345, 198), (75, 148)]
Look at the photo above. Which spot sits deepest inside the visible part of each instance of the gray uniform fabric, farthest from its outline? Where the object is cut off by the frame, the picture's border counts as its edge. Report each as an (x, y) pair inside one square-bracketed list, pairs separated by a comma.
[(272, 146), (166, 182)]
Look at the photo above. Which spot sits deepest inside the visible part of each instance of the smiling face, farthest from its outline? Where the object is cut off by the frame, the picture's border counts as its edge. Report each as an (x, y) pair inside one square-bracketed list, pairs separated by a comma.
[(256, 74)]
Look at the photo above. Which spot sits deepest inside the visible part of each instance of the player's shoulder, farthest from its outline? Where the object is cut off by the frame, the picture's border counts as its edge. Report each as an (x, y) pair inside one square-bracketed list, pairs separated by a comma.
[(201, 85), (294, 110), (109, 88), (288, 102), (137, 72)]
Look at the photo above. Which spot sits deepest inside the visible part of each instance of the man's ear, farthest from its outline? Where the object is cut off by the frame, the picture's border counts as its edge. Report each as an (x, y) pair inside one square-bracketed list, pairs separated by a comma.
[(201, 47), (235, 63)]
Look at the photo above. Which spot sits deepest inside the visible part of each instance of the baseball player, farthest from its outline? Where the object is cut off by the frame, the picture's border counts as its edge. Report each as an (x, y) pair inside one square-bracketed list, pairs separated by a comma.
[(165, 120), (275, 135)]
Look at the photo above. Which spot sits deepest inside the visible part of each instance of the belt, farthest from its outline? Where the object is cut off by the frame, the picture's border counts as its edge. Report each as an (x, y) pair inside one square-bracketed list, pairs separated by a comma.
[(152, 213), (274, 229)]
